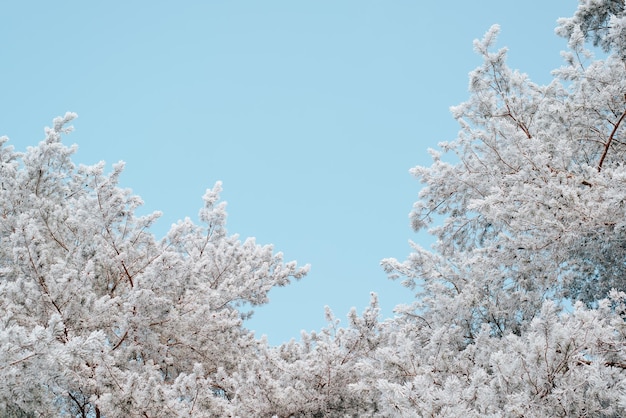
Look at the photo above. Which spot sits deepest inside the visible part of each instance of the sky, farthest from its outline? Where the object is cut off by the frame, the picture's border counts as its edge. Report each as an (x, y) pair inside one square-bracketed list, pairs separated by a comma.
[(311, 113)]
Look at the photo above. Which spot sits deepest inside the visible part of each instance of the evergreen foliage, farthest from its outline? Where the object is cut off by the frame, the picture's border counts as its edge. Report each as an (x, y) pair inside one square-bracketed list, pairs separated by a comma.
[(519, 307)]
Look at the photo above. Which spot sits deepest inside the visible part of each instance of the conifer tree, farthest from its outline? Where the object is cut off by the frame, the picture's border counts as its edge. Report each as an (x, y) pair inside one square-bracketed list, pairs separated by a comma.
[(97, 317)]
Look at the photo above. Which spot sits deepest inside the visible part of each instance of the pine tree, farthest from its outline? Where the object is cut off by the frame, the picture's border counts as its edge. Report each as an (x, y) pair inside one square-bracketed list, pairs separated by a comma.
[(97, 317), (519, 307)]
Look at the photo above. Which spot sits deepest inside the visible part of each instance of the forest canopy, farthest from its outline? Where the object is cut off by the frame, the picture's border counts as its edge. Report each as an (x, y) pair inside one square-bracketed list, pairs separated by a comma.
[(519, 306)]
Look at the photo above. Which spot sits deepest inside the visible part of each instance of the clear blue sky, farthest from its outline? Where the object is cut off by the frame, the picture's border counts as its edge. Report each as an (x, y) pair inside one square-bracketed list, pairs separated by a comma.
[(310, 112)]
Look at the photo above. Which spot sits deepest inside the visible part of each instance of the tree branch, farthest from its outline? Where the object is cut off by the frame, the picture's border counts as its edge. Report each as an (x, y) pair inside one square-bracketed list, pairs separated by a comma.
[(120, 341), (608, 142)]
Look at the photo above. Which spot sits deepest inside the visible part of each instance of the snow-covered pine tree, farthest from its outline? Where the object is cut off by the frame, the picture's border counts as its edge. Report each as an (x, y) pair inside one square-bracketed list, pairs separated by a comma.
[(520, 305), (100, 319)]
